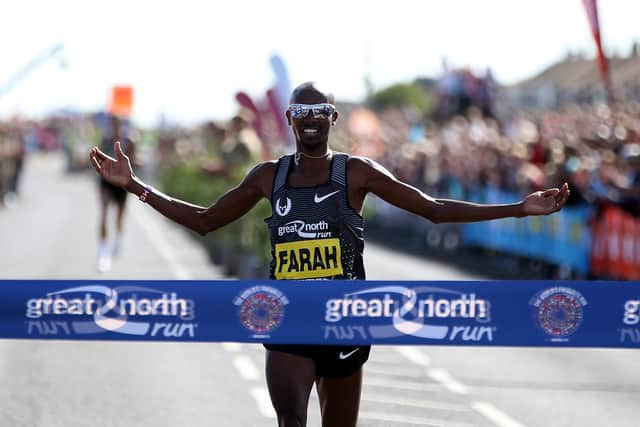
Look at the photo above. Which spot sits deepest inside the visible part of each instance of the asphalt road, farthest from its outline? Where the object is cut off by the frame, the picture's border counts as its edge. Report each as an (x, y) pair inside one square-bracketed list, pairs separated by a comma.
[(51, 232)]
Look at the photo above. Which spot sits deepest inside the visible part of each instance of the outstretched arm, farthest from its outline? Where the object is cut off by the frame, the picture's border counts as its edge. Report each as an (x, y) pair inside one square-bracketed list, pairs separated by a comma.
[(376, 179), (229, 207)]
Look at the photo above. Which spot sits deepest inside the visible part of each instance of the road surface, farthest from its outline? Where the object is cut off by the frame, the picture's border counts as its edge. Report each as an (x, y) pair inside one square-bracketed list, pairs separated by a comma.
[(51, 233)]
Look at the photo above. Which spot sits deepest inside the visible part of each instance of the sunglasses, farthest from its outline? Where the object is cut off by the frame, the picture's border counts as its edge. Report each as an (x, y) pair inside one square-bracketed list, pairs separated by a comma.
[(320, 111)]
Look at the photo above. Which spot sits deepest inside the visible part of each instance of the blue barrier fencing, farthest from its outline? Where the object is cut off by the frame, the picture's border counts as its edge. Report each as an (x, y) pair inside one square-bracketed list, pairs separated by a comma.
[(563, 238), (504, 313)]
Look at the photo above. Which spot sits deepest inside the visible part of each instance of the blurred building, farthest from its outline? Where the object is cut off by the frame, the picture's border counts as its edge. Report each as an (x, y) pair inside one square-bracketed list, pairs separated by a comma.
[(577, 79)]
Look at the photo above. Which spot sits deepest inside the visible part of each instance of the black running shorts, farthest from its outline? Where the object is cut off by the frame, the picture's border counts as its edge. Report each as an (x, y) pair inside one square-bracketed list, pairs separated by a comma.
[(332, 361), (118, 194)]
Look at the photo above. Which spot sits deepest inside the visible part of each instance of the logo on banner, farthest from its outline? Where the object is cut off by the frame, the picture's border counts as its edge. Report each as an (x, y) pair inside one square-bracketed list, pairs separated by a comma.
[(130, 310), (261, 309), (631, 319), (425, 312), (558, 311)]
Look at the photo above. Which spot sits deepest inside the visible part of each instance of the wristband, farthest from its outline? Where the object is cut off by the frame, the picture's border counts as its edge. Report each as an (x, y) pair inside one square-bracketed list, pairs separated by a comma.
[(145, 193)]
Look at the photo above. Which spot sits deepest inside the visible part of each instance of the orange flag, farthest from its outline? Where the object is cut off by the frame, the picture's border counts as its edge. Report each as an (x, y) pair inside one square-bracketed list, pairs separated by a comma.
[(121, 101)]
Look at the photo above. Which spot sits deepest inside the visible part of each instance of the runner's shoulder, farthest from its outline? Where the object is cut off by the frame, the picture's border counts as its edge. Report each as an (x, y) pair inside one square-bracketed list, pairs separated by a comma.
[(262, 176), (359, 160), (362, 165), (265, 169)]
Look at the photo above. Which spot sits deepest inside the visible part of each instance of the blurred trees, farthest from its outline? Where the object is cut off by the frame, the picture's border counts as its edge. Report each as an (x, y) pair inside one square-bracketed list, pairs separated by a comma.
[(201, 167), (402, 95)]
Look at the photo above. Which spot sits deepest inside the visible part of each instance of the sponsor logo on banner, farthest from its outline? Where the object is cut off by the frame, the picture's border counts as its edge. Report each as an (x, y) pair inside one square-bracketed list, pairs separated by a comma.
[(308, 259), (431, 313), (261, 309), (92, 309), (630, 333), (558, 311)]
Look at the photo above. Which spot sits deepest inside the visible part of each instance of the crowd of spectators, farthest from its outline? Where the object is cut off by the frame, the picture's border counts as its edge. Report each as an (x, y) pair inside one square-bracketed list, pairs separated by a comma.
[(74, 134), (459, 89), (17, 138), (595, 147)]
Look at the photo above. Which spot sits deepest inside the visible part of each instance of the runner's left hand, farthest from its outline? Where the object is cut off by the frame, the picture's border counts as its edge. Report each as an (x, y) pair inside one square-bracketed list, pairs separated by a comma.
[(546, 202), (115, 171)]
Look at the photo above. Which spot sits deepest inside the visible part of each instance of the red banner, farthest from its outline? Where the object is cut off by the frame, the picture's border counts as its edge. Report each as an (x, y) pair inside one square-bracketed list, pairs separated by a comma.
[(615, 251), (591, 7)]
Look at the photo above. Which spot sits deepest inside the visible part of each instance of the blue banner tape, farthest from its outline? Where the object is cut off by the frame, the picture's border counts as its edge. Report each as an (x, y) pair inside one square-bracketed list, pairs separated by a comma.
[(505, 313)]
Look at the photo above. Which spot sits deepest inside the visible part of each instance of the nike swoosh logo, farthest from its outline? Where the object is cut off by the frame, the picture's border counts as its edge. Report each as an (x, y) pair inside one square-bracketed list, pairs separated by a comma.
[(345, 356), (323, 198)]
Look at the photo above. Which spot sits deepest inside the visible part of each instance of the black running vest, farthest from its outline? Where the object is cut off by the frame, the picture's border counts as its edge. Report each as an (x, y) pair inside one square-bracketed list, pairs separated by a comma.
[(315, 234)]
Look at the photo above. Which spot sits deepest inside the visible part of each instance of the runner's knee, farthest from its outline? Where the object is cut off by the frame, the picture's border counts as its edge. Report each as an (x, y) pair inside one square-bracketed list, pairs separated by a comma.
[(292, 418)]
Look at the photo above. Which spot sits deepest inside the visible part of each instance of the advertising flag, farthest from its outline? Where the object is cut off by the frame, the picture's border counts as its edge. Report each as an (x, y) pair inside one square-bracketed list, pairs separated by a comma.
[(591, 7), (121, 101)]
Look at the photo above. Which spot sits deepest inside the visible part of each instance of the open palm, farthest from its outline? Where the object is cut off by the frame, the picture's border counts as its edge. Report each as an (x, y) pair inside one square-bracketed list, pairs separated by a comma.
[(546, 202), (115, 171)]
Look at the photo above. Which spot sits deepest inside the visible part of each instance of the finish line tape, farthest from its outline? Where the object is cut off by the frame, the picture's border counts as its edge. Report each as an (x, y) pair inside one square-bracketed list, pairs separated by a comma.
[(499, 313)]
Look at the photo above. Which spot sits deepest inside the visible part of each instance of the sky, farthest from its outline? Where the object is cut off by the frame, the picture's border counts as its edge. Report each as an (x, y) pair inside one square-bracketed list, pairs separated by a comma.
[(187, 59)]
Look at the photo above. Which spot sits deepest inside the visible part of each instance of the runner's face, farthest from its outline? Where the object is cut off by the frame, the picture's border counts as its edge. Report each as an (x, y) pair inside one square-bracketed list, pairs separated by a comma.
[(312, 130)]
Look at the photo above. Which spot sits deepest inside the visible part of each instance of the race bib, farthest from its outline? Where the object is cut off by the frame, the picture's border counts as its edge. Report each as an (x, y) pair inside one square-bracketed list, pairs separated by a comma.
[(308, 259)]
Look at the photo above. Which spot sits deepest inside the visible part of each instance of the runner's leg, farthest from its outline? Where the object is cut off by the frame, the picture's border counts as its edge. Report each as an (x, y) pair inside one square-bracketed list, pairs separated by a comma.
[(117, 242), (340, 399), (289, 379), (120, 217), (104, 207), (104, 257)]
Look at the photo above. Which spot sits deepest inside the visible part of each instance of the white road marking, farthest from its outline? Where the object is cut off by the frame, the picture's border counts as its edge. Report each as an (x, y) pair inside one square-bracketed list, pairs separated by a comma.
[(414, 355), (385, 358), (400, 385), (155, 236), (416, 403), (246, 368), (261, 396), (443, 377), (403, 419), (410, 372), (253, 347), (232, 347), (495, 415)]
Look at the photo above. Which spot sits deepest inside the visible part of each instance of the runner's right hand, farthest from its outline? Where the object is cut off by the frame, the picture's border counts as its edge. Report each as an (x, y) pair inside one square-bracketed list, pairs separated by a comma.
[(115, 171)]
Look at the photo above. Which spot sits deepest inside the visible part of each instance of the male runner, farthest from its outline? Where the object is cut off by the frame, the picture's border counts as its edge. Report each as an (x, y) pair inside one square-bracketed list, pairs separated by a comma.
[(316, 233), (112, 195)]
